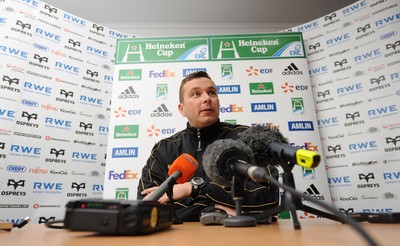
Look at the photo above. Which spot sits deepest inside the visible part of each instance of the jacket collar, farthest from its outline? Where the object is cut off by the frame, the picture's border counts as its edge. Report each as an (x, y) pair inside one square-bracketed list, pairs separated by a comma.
[(205, 130)]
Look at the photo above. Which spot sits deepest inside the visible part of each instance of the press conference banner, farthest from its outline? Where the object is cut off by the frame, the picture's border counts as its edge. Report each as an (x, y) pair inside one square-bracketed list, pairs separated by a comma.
[(56, 74), (354, 65), (261, 79)]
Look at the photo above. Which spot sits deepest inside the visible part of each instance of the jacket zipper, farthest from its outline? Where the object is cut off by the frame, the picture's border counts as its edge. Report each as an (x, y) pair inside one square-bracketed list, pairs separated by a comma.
[(199, 141)]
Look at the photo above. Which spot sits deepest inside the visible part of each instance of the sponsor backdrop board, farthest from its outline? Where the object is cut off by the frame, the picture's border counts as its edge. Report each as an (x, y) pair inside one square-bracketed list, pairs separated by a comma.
[(354, 60), (261, 79), (56, 74)]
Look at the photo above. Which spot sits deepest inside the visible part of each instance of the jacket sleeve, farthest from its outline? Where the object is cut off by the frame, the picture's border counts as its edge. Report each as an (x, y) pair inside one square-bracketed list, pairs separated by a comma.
[(155, 171)]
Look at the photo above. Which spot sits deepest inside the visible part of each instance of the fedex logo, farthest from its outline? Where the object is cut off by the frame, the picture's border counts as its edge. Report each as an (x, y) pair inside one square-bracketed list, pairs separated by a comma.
[(162, 74), (127, 174), (307, 146), (233, 108)]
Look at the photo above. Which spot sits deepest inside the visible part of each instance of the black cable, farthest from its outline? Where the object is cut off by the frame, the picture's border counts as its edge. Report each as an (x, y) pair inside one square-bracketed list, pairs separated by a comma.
[(51, 224), (345, 219)]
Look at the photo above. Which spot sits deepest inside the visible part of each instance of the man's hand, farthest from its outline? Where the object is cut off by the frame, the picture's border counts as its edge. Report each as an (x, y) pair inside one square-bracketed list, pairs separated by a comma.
[(230, 211), (180, 191)]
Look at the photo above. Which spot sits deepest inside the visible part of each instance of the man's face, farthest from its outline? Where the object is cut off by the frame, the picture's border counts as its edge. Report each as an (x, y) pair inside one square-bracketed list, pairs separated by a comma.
[(200, 102)]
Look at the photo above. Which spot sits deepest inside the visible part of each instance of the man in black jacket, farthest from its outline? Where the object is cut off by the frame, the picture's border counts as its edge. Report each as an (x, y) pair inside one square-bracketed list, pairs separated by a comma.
[(199, 103)]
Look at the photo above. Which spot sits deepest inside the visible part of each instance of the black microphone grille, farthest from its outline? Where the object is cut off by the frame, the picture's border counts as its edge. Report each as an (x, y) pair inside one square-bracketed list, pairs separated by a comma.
[(258, 138), (219, 154)]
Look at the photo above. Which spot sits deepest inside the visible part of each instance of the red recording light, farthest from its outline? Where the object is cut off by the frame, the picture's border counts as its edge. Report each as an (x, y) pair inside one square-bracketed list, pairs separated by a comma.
[(83, 205)]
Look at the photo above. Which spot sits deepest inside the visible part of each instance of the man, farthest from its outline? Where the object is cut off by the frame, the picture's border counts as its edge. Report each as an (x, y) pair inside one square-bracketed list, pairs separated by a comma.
[(199, 103)]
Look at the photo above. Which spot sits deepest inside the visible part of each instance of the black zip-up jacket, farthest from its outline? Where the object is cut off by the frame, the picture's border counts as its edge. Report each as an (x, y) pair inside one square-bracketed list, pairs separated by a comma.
[(194, 141)]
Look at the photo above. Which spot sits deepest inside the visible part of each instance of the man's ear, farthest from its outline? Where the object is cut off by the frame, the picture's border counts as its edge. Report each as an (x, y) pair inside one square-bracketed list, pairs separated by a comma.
[(180, 107)]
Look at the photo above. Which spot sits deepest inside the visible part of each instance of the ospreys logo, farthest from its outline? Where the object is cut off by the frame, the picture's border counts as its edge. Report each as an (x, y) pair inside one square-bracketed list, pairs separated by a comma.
[(86, 126), (367, 178), (353, 116), (323, 94), (50, 9), (43, 220), (77, 186), (23, 25), (16, 184), (10, 80), (66, 93), (56, 152), (29, 116), (334, 148), (363, 28), (98, 27), (394, 141)]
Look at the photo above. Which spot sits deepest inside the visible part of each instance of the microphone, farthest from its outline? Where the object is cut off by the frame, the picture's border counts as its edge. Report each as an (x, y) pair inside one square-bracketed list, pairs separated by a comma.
[(181, 171), (226, 157), (271, 147)]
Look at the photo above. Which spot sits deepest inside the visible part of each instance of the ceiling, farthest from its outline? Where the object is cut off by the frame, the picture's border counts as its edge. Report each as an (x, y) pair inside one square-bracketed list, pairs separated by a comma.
[(199, 11)]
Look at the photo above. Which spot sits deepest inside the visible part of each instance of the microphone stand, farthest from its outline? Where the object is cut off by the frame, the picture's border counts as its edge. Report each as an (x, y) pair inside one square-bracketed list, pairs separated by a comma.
[(170, 194), (293, 204), (237, 194)]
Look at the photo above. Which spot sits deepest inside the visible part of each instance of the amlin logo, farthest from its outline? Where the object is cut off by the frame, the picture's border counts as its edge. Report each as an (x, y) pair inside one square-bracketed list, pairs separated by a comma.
[(130, 152), (263, 107), (130, 74), (261, 88), (126, 131)]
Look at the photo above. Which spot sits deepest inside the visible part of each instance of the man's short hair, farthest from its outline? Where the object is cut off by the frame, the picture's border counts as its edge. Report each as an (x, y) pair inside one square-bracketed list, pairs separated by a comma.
[(189, 77)]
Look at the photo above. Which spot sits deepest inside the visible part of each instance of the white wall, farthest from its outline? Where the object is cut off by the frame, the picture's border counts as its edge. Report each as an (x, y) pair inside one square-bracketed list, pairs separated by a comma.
[(178, 29)]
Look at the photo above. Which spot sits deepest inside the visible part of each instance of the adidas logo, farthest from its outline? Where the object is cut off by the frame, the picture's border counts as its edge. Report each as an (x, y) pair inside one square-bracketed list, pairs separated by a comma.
[(314, 193), (128, 93), (292, 70), (161, 111)]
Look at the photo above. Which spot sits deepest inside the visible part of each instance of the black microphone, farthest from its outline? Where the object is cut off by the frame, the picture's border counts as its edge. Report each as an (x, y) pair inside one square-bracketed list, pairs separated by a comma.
[(181, 170), (271, 148), (226, 157)]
